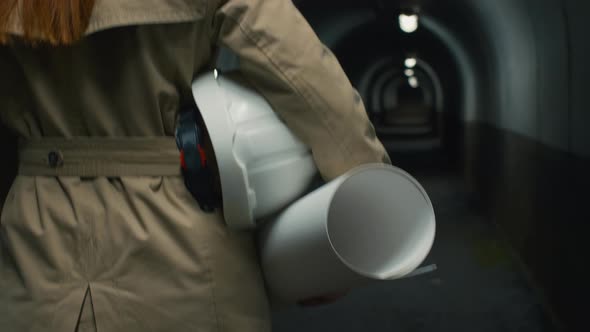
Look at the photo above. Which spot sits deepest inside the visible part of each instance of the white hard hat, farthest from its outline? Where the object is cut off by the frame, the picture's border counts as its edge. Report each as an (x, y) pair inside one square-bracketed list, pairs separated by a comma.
[(262, 166)]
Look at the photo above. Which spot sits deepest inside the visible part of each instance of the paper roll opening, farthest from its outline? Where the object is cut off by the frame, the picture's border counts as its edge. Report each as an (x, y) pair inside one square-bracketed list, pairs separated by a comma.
[(381, 223)]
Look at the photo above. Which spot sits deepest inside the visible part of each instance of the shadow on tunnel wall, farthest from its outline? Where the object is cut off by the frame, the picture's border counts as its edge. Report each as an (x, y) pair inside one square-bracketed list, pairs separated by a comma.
[(8, 146), (538, 196)]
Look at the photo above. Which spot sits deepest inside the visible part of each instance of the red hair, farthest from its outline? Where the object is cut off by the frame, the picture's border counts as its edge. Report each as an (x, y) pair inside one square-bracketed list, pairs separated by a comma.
[(57, 22)]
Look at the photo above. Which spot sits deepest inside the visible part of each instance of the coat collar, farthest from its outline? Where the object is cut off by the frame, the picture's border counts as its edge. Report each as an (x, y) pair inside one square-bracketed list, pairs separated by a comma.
[(115, 13)]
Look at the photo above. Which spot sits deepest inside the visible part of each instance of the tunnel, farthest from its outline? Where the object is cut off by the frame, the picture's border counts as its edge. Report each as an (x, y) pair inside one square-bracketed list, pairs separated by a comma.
[(485, 103)]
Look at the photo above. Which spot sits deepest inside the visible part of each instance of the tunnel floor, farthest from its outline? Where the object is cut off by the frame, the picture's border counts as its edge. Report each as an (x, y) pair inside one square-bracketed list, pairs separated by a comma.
[(480, 284)]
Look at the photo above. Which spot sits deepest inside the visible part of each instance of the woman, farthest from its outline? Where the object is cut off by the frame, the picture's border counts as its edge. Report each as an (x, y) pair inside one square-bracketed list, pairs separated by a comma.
[(98, 231)]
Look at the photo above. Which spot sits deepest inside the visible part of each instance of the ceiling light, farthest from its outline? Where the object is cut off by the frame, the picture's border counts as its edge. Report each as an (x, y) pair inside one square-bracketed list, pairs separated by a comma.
[(411, 62), (408, 23)]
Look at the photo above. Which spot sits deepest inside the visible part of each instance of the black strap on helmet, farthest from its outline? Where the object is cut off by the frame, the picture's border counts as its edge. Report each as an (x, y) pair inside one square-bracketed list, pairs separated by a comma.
[(198, 176)]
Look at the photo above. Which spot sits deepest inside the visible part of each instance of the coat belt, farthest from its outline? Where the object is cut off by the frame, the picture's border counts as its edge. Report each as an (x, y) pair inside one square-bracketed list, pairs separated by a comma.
[(94, 156)]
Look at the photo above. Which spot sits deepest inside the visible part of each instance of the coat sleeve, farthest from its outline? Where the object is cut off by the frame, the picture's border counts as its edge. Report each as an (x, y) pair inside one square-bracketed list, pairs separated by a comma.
[(281, 56)]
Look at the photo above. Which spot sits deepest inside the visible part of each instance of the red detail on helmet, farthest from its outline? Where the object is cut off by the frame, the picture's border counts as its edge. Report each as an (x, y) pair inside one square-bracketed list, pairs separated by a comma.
[(182, 161), (203, 156)]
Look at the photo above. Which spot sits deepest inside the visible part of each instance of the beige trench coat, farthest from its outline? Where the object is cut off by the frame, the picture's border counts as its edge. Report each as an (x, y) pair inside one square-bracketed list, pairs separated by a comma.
[(85, 249)]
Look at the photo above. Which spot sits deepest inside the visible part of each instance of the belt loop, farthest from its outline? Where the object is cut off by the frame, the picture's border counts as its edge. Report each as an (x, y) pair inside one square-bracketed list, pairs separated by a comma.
[(55, 159)]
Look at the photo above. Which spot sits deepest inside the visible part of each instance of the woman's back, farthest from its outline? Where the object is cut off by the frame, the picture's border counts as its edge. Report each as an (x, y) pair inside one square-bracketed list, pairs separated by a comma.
[(128, 81), (135, 252), (98, 230)]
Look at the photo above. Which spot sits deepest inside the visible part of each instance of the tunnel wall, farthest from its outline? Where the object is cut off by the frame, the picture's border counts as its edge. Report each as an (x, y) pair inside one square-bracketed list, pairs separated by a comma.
[(578, 26), (526, 156), (527, 65), (538, 61)]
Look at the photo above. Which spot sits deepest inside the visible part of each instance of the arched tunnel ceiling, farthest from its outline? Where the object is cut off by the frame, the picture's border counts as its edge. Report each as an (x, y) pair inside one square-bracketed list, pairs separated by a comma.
[(521, 61)]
